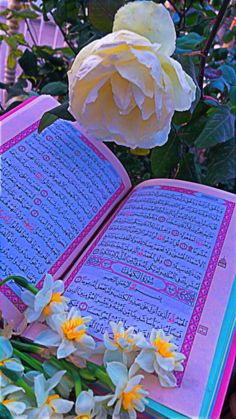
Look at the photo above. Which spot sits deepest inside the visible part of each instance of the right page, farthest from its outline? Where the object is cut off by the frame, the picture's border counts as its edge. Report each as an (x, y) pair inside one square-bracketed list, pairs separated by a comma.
[(166, 259)]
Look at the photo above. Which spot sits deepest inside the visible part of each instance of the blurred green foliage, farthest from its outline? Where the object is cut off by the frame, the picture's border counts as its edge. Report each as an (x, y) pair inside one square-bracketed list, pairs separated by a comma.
[(201, 146)]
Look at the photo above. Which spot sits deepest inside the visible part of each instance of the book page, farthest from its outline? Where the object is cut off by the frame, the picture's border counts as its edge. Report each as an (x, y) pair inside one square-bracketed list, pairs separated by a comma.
[(165, 260), (57, 188)]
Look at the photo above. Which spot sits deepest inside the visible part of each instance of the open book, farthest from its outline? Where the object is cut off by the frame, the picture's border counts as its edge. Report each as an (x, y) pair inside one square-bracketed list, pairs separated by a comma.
[(160, 255)]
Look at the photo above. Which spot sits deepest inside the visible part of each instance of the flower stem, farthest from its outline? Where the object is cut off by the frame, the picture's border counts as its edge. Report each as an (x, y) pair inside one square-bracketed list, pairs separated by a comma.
[(21, 281), (27, 347), (100, 374), (32, 362)]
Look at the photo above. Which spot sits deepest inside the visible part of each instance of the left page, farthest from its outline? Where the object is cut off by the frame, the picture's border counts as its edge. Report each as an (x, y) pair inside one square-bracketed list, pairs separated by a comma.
[(57, 189)]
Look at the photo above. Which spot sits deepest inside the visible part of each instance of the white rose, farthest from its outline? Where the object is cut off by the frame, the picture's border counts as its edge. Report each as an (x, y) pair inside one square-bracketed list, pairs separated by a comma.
[(124, 88)]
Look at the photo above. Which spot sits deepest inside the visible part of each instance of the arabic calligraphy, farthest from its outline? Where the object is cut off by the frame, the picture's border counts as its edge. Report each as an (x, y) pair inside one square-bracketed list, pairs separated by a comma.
[(148, 267), (54, 187)]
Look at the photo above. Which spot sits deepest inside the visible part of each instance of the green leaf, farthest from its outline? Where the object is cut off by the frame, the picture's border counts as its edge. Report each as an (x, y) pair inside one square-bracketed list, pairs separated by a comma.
[(189, 42), (232, 95), (102, 12), (28, 63), (191, 131), (192, 18), (222, 163), (228, 73), (220, 53), (46, 120), (218, 129), (11, 41), (187, 169), (180, 118), (11, 61), (56, 88), (166, 157), (4, 412), (24, 14), (3, 27), (51, 116)]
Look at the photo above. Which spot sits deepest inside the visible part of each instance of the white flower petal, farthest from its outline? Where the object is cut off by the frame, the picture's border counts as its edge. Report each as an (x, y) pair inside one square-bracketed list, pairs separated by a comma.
[(183, 91), (150, 20), (54, 380), (134, 381), (58, 287), (84, 403), (139, 405), (40, 390), (111, 356), (116, 412), (65, 348), (168, 364), (16, 408), (132, 414), (146, 360), (118, 373), (14, 365), (48, 338), (167, 380), (28, 298), (61, 405), (8, 390), (42, 299), (6, 349)]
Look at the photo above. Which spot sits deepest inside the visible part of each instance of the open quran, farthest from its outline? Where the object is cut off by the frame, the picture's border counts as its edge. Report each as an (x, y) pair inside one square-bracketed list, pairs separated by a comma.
[(159, 255)]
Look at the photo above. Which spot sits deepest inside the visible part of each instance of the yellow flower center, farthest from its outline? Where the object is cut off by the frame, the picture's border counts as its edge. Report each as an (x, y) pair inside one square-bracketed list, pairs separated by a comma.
[(69, 329), (50, 399), (163, 348), (128, 399), (2, 363), (83, 417), (56, 298), (6, 402)]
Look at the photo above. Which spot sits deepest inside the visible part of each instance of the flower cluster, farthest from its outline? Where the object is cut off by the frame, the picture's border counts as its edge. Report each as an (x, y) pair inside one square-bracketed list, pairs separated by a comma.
[(37, 378)]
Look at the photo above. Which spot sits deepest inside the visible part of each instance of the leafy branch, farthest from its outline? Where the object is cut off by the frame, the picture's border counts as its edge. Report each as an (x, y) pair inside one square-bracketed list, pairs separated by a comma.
[(205, 51)]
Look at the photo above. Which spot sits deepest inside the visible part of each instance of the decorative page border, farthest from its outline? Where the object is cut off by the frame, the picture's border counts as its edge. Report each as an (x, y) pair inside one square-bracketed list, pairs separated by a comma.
[(5, 289), (206, 283)]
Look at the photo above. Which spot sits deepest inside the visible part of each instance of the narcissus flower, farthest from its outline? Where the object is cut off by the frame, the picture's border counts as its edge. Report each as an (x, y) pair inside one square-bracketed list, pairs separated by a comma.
[(49, 300), (125, 87), (67, 332), (7, 361), (8, 399), (129, 395), (123, 345), (160, 356), (88, 406), (49, 404)]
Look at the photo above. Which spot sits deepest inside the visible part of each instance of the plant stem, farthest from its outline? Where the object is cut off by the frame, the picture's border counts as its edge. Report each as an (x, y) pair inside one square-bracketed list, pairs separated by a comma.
[(26, 347), (69, 43), (175, 7), (207, 47), (100, 374), (21, 281), (32, 362)]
